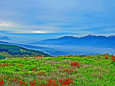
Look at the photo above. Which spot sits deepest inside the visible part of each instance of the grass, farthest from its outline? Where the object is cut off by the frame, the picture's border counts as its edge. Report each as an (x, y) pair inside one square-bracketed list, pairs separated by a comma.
[(93, 71)]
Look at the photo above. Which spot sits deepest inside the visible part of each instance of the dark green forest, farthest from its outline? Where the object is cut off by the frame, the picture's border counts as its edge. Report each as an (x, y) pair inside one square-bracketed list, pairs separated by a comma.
[(17, 51)]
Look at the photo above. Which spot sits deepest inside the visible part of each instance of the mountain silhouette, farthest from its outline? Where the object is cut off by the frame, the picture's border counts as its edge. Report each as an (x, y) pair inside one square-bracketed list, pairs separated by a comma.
[(5, 38), (88, 40)]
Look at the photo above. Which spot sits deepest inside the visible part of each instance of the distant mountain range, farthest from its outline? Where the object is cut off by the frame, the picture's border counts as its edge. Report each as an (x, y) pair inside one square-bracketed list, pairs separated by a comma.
[(89, 40), (69, 45), (88, 45), (5, 38)]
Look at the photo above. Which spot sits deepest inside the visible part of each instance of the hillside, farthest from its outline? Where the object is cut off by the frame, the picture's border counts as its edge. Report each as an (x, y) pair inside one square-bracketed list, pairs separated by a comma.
[(17, 51), (78, 70)]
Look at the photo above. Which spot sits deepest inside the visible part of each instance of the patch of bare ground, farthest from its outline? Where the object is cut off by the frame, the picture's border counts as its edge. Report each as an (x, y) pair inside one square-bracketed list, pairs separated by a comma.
[(100, 69), (99, 75), (85, 65)]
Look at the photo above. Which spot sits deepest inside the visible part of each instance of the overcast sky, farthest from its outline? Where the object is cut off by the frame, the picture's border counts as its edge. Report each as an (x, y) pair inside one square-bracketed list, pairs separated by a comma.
[(44, 19)]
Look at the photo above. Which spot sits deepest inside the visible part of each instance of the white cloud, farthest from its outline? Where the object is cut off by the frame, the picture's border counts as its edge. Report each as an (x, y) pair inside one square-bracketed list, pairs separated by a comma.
[(40, 27), (32, 31), (6, 24), (42, 31)]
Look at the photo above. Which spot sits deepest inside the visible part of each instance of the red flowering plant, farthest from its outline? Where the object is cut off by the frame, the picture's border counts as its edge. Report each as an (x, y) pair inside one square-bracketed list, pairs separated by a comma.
[(52, 83), (33, 83), (106, 57), (23, 82), (75, 64), (113, 61), (69, 71), (41, 73), (1, 83), (112, 56), (65, 81)]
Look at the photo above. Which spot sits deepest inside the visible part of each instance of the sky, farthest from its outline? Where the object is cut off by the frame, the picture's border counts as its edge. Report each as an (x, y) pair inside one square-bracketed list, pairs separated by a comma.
[(29, 20)]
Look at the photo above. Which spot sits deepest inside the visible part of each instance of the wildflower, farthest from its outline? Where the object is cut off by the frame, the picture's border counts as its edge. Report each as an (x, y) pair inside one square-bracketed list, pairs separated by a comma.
[(113, 56), (106, 57), (34, 69), (75, 63), (1, 82), (65, 70), (21, 82), (66, 82), (32, 84), (50, 81), (60, 80), (16, 79), (113, 59), (38, 73)]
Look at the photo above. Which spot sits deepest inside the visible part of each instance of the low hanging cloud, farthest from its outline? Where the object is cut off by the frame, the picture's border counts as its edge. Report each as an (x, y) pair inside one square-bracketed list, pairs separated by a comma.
[(31, 31), (18, 28)]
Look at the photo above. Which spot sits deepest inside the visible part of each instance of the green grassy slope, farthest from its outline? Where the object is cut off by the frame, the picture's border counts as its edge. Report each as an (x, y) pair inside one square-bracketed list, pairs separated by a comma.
[(96, 70), (17, 51)]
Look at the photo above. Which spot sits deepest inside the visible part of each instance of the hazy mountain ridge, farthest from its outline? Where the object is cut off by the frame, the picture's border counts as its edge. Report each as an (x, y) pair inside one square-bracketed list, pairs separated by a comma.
[(4, 38), (89, 40), (69, 45)]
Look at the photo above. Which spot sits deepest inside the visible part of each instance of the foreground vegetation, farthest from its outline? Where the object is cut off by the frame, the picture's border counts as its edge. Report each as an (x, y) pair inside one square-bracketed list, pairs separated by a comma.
[(71, 70)]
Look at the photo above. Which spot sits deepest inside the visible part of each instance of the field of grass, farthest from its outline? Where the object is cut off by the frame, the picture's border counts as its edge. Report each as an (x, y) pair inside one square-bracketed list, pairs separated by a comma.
[(71, 70)]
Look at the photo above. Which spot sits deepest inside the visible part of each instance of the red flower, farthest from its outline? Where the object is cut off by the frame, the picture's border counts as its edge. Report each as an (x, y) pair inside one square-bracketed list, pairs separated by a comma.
[(106, 57), (22, 82), (113, 56), (75, 63), (1, 82), (32, 84), (38, 73), (50, 81), (60, 80), (34, 69), (66, 82), (113, 59), (16, 79)]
